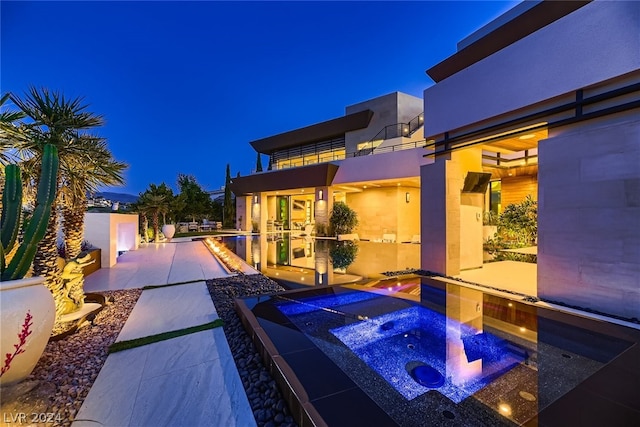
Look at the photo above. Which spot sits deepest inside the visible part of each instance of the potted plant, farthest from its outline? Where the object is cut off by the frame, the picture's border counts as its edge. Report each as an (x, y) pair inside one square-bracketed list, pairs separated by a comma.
[(27, 307), (343, 219), (169, 230)]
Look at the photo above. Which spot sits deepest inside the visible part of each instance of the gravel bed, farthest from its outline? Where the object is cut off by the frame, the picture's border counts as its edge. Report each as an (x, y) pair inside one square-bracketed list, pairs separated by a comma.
[(61, 380), (269, 408)]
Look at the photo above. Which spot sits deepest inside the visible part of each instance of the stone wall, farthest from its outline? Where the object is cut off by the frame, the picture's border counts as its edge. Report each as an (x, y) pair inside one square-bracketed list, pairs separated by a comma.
[(385, 210), (589, 216)]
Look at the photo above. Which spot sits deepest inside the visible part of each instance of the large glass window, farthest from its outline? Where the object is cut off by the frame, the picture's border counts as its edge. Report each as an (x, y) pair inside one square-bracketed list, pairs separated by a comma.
[(495, 189), (319, 152)]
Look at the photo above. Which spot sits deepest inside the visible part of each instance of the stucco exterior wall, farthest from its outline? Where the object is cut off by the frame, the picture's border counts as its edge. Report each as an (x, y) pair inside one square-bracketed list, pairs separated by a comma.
[(396, 164), (112, 233), (589, 216), (597, 42), (388, 109), (243, 213)]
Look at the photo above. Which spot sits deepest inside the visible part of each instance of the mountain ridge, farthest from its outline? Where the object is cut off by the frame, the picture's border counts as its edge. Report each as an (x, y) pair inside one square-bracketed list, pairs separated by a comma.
[(117, 197)]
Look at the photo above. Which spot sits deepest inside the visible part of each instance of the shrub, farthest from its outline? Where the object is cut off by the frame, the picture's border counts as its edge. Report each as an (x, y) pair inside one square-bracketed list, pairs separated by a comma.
[(518, 222), (343, 219), (343, 254)]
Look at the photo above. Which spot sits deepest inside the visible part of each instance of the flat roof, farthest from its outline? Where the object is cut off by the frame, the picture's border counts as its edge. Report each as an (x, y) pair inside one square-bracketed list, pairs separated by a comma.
[(318, 132), (527, 22), (320, 175)]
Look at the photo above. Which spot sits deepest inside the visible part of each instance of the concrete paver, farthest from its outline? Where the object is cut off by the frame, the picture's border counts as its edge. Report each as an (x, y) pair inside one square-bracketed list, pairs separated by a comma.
[(157, 264), (190, 380)]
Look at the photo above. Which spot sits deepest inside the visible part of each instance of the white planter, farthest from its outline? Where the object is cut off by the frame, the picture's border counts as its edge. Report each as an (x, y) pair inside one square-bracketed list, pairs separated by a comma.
[(27, 315), (169, 230)]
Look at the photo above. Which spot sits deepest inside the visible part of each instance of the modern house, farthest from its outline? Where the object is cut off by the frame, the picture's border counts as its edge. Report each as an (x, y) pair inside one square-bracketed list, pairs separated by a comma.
[(546, 99), (369, 158)]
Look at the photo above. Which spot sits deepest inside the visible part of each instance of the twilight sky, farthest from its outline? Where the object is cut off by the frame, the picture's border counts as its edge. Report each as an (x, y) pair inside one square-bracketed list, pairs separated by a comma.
[(184, 86)]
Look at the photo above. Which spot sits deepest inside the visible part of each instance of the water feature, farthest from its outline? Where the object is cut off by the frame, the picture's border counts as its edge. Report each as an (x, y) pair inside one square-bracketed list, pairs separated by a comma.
[(304, 261)]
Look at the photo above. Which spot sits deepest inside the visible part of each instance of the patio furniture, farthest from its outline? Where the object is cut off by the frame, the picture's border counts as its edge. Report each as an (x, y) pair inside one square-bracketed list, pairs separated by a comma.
[(206, 225)]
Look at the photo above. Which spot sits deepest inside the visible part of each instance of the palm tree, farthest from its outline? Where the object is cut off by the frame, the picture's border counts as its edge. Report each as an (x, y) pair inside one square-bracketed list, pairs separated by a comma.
[(10, 131), (96, 168), (154, 205), (154, 202), (56, 120)]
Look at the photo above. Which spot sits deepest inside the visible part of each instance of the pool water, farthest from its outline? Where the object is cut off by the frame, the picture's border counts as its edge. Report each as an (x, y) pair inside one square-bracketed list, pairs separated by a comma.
[(416, 337), (451, 355), (297, 261)]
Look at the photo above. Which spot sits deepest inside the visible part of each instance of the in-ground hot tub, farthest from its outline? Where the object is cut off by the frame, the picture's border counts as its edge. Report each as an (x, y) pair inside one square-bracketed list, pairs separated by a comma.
[(359, 356)]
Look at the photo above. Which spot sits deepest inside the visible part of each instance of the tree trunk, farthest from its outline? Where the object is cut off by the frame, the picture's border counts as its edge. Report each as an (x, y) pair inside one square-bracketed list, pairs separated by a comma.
[(45, 263), (73, 229), (145, 226), (156, 228)]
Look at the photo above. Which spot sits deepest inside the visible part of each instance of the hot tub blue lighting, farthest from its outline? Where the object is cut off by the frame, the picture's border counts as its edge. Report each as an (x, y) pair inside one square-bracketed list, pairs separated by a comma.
[(435, 341)]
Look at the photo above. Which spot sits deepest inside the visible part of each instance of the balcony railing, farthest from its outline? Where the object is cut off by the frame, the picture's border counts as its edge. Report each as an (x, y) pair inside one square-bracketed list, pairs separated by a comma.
[(391, 148)]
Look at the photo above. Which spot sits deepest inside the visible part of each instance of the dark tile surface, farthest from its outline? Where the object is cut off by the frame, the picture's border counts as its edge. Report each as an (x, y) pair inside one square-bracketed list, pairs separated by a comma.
[(585, 409), (616, 384), (317, 373), (352, 408), (286, 338), (629, 360)]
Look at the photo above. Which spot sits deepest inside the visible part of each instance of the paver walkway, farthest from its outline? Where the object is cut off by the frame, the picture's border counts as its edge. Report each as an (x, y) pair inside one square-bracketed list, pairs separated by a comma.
[(186, 381)]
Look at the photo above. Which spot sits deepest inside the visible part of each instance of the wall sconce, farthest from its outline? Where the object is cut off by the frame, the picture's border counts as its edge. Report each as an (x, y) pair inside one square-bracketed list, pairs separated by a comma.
[(407, 197), (255, 200), (320, 194)]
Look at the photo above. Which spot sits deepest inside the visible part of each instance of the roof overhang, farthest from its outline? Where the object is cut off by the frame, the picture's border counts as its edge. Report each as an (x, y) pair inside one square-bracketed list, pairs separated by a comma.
[(319, 132), (320, 175), (530, 21)]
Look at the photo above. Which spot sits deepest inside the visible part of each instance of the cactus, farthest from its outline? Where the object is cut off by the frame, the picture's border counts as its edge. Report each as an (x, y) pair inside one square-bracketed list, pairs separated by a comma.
[(11, 208)]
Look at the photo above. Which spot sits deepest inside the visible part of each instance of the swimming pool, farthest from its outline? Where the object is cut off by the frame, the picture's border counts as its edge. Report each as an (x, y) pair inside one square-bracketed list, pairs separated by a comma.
[(301, 260), (350, 355)]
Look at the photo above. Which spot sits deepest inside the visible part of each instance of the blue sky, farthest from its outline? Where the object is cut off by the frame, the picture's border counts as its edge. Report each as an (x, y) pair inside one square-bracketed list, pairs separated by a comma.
[(185, 86)]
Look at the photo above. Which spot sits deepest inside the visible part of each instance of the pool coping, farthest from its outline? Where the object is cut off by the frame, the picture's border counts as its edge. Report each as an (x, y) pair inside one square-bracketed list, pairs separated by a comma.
[(293, 391)]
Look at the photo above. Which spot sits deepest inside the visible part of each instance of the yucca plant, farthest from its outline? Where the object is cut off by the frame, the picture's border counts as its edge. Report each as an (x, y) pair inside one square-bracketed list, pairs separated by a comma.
[(21, 257)]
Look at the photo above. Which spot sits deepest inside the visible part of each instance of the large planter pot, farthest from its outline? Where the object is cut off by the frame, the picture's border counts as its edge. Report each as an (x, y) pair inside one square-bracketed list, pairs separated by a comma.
[(27, 315), (169, 230)]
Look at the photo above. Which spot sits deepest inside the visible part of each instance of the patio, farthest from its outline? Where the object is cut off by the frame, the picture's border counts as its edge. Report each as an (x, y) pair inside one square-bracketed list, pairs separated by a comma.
[(189, 380)]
